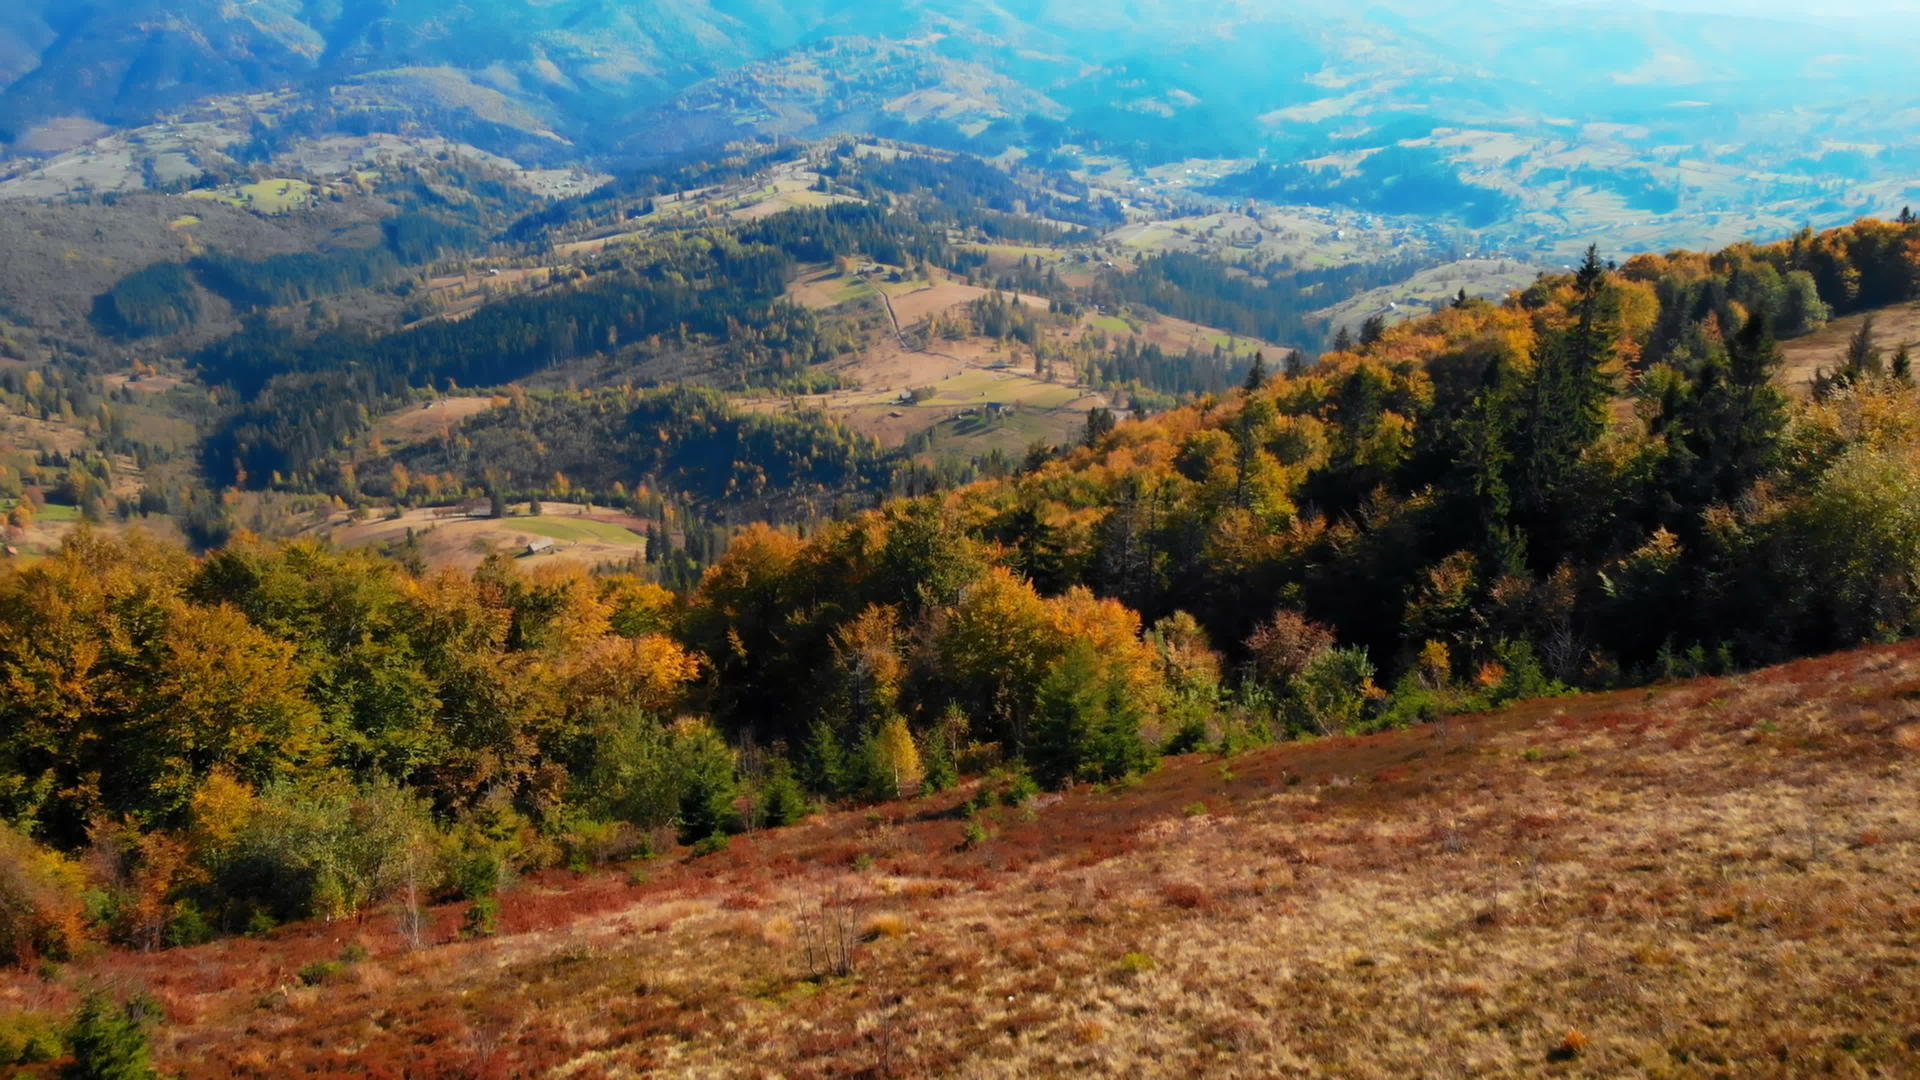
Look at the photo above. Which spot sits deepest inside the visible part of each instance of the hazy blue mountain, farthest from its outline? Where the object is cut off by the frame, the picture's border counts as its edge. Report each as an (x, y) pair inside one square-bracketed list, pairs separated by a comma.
[(573, 60)]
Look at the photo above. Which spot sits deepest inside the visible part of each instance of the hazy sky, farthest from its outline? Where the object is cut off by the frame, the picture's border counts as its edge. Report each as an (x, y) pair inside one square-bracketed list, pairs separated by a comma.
[(1801, 8), (1789, 8)]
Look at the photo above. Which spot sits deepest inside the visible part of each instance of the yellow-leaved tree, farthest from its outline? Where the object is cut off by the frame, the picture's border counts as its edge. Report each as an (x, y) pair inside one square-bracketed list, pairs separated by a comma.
[(896, 758)]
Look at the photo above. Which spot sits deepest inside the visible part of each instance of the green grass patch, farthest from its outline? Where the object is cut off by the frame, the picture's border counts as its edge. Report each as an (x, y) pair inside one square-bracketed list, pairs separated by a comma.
[(1233, 345), (977, 388), (56, 512), (266, 197), (1112, 324), (808, 198), (1017, 251), (850, 290), (971, 436), (183, 221), (1153, 237), (902, 288), (566, 528)]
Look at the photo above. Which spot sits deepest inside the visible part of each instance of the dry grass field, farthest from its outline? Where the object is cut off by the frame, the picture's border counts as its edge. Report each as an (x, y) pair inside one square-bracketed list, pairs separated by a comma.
[(1714, 879), (1826, 348), (589, 537), (428, 420), (962, 376)]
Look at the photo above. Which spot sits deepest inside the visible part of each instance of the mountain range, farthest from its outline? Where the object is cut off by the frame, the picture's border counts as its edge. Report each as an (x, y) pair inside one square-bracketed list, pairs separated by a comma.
[(1243, 77)]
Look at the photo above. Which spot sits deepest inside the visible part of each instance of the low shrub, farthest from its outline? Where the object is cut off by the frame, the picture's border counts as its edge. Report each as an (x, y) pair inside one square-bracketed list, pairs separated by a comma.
[(586, 843), (326, 849), (1019, 787), (322, 972), (1189, 737), (474, 873), (482, 919), (1182, 894), (974, 835), (1334, 693), (30, 1038), (42, 902)]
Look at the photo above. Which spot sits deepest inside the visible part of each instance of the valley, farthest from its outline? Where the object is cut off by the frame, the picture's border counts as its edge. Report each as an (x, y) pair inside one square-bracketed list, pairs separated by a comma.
[(573, 539)]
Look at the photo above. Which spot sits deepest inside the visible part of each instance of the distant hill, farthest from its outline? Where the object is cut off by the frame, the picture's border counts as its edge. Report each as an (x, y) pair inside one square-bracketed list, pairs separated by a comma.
[(1153, 73), (1651, 129)]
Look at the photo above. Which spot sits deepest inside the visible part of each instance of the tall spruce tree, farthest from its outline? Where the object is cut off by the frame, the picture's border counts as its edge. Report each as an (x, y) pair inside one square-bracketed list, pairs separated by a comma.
[(1566, 413), (1727, 429), (1257, 374), (1485, 440)]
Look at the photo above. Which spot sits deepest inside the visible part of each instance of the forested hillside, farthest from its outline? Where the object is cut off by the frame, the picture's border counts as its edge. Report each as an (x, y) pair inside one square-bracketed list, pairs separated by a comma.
[(1596, 483)]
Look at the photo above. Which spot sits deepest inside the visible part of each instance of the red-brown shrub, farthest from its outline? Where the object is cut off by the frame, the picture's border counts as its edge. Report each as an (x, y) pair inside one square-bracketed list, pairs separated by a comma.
[(1283, 646), (1183, 894)]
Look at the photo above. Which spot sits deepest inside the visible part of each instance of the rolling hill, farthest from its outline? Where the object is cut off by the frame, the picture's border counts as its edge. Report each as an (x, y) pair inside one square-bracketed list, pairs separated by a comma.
[(1708, 878), (1154, 81)]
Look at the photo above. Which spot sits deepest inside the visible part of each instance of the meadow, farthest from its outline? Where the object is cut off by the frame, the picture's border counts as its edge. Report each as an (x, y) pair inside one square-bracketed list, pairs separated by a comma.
[(1712, 878), (1826, 349), (589, 537)]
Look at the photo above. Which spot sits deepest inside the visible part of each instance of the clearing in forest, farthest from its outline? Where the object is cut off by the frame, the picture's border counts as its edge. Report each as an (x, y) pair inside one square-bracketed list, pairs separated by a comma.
[(590, 537), (1826, 348)]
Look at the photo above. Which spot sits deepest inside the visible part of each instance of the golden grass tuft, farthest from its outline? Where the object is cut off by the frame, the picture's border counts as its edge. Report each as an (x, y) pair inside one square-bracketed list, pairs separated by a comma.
[(884, 925), (777, 932)]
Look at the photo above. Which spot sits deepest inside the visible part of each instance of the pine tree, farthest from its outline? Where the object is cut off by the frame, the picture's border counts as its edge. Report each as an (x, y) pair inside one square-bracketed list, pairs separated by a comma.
[(1100, 424), (1903, 365), (823, 762), (1250, 432), (1487, 435), (1567, 400), (781, 797), (109, 1040), (1257, 374), (1343, 341), (1373, 329), (712, 784), (1729, 427), (940, 750), (1086, 724), (1864, 357)]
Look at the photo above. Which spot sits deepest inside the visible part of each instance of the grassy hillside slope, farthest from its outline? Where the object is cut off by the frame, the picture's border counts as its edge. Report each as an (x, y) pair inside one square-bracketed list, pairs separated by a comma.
[(1714, 878)]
